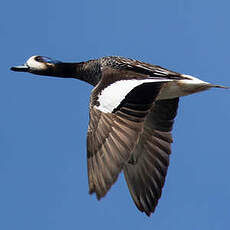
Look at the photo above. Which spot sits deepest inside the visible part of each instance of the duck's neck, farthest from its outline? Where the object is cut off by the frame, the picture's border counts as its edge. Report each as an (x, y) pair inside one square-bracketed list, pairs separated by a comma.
[(86, 71)]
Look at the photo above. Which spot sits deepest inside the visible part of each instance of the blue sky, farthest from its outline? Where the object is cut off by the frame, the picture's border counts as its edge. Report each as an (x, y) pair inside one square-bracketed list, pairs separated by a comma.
[(43, 121)]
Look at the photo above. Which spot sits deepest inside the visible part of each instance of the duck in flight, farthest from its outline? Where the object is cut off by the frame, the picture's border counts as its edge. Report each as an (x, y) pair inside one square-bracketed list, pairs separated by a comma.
[(132, 109)]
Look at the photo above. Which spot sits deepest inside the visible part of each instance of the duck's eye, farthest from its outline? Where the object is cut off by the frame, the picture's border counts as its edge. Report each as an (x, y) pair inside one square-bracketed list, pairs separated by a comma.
[(45, 59), (39, 59)]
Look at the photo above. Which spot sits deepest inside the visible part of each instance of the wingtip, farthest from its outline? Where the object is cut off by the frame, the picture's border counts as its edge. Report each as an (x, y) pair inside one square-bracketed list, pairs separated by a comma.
[(148, 213), (98, 195)]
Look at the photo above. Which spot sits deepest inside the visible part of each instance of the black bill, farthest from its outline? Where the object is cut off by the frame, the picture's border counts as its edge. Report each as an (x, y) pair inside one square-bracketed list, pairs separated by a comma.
[(20, 68)]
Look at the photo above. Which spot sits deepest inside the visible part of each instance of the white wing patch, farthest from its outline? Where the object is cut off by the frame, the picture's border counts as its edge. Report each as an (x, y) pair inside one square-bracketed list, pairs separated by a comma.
[(111, 97)]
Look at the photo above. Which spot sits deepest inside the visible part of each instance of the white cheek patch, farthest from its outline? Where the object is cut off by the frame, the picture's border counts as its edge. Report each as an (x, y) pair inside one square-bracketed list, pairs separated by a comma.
[(111, 97), (35, 65)]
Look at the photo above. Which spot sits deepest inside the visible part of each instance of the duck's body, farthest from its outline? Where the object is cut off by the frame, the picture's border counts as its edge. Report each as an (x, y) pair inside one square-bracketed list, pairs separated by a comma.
[(132, 110)]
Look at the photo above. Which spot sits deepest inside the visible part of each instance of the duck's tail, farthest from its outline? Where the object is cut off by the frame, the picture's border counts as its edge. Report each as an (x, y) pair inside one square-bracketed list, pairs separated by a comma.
[(219, 86)]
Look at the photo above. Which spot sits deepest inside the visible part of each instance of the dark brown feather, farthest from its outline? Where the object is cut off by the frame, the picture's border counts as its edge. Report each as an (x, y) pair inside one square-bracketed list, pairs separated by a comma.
[(108, 149), (145, 173)]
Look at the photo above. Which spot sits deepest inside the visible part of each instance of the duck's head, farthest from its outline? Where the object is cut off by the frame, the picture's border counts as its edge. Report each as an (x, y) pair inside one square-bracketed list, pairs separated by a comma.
[(46, 66), (38, 65)]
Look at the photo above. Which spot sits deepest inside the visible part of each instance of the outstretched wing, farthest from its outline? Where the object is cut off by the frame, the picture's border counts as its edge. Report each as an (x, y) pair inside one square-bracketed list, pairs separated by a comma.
[(110, 141), (118, 109), (146, 171)]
